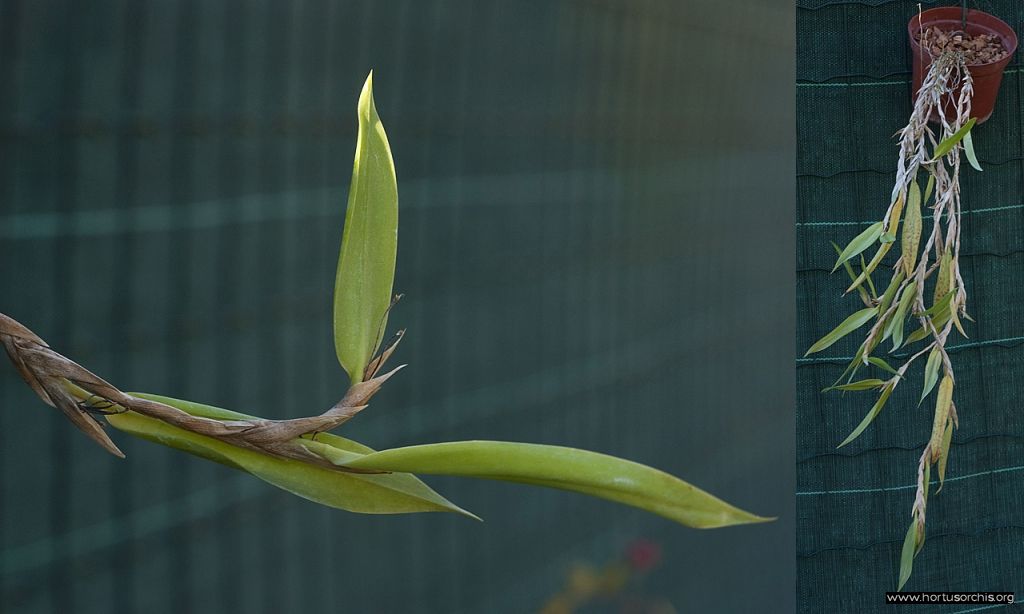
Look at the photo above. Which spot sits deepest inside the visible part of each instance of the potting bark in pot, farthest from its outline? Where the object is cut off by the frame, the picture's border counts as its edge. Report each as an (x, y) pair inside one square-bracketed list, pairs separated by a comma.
[(987, 42)]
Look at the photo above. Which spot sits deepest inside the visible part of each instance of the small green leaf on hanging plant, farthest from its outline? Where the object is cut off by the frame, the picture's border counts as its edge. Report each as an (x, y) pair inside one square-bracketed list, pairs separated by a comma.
[(864, 296), (969, 150), (369, 244), (947, 438), (907, 554), (864, 384), (859, 243), (931, 372), (899, 320), (871, 415), (866, 271), (881, 364), (848, 325), (928, 189), (949, 143)]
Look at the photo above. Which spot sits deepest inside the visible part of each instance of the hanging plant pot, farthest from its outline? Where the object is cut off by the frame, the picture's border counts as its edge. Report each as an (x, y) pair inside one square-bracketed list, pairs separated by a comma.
[(981, 39)]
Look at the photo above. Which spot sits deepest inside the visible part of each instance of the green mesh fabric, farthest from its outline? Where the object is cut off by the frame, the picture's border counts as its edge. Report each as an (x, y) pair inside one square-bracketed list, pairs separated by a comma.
[(576, 197), (853, 93)]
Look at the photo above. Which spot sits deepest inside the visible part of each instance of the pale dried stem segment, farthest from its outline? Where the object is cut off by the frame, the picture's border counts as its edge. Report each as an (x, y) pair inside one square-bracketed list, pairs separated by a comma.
[(78, 393), (947, 73)]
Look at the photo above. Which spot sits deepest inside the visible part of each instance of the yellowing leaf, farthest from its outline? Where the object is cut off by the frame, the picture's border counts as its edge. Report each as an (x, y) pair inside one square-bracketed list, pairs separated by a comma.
[(942, 404), (911, 238)]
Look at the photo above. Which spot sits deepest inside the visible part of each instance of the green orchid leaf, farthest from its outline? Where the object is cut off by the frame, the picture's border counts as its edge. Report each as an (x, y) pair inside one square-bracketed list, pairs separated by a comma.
[(859, 243), (580, 471), (907, 554), (969, 150), (850, 324), (369, 244), (931, 372), (864, 384), (871, 415), (864, 296), (385, 493), (881, 364), (948, 144), (899, 320), (947, 439)]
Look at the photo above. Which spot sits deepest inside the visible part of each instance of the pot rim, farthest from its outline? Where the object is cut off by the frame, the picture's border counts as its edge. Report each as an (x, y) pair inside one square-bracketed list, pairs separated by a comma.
[(946, 13)]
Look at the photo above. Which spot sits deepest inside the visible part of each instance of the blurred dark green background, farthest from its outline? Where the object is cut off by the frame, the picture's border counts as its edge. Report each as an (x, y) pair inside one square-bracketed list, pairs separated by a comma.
[(596, 231), (853, 94)]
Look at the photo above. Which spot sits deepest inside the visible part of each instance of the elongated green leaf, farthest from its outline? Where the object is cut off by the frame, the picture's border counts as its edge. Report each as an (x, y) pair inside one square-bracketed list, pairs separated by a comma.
[(947, 438), (865, 273), (931, 372), (969, 150), (871, 415), (864, 384), (864, 270), (859, 243), (949, 143), (853, 276), (581, 471), (940, 308), (921, 333), (890, 292), (366, 264), (944, 279), (907, 554), (928, 189), (881, 364), (394, 493), (899, 320), (848, 325)]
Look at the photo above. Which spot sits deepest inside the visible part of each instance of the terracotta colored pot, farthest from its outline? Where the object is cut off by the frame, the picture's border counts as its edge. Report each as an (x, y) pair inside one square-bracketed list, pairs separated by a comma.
[(987, 77)]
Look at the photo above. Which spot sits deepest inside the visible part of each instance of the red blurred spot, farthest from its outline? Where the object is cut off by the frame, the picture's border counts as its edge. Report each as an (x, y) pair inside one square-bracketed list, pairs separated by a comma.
[(643, 555)]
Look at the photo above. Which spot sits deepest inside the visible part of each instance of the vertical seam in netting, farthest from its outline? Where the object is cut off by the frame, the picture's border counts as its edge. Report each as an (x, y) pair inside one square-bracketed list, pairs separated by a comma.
[(122, 561)]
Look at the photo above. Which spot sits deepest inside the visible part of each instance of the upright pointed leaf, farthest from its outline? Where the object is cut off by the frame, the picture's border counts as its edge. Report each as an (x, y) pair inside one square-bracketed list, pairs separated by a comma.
[(581, 471), (366, 265), (848, 325)]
